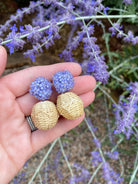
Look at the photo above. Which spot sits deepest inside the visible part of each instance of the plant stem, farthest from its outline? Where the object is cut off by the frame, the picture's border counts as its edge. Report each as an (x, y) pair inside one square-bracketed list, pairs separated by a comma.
[(120, 80), (65, 157), (107, 95), (136, 161), (93, 134), (76, 19), (133, 175), (40, 178), (95, 172), (41, 163), (115, 147)]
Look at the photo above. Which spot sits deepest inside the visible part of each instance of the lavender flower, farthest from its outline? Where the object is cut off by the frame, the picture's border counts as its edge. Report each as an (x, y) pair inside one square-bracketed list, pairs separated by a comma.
[(63, 81), (83, 176), (46, 37), (19, 178), (33, 34), (72, 180), (110, 175), (19, 15), (93, 129), (105, 10), (67, 55), (96, 158), (55, 166), (113, 155), (33, 52), (73, 43), (130, 38), (41, 88), (92, 7), (97, 143), (16, 43), (128, 110), (127, 2), (93, 62), (116, 29)]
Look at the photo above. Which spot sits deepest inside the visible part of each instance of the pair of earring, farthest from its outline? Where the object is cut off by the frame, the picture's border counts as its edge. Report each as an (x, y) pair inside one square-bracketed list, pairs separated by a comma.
[(45, 114), (41, 88)]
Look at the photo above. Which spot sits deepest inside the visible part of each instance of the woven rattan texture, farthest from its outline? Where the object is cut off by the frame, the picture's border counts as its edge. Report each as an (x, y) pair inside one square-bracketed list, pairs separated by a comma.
[(44, 115), (70, 105)]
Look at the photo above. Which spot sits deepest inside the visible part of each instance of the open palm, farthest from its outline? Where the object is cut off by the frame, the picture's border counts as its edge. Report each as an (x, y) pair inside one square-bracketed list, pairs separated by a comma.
[(17, 143)]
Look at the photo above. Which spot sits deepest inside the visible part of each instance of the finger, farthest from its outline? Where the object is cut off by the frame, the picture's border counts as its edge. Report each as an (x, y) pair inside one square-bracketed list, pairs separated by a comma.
[(41, 138), (27, 101), (3, 59), (20, 81), (83, 84), (87, 98)]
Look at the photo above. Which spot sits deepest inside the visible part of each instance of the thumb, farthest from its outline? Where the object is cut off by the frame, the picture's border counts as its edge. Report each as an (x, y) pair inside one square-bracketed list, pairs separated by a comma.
[(3, 59)]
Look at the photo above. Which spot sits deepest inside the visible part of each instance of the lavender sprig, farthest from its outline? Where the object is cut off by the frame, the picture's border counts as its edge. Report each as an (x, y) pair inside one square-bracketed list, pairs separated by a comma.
[(83, 176), (127, 2), (117, 30), (126, 121), (19, 15)]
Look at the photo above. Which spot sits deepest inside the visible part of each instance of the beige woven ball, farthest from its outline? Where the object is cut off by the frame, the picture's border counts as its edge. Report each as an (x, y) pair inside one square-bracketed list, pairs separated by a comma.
[(44, 115), (69, 105)]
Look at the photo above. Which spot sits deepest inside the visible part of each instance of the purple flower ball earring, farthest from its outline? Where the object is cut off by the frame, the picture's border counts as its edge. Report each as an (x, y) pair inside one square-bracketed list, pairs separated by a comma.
[(41, 88), (63, 81)]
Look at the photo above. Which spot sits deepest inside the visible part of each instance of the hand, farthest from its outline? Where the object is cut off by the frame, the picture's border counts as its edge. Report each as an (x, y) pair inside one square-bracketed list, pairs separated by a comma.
[(17, 143)]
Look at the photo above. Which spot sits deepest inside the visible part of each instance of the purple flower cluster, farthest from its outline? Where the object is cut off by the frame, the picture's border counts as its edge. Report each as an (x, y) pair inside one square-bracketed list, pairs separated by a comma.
[(97, 143), (56, 164), (110, 176), (63, 81), (112, 155), (92, 128), (83, 176), (34, 33), (96, 158), (130, 38), (117, 30), (125, 112), (93, 62), (20, 178), (126, 2), (41, 88), (16, 43), (45, 29)]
